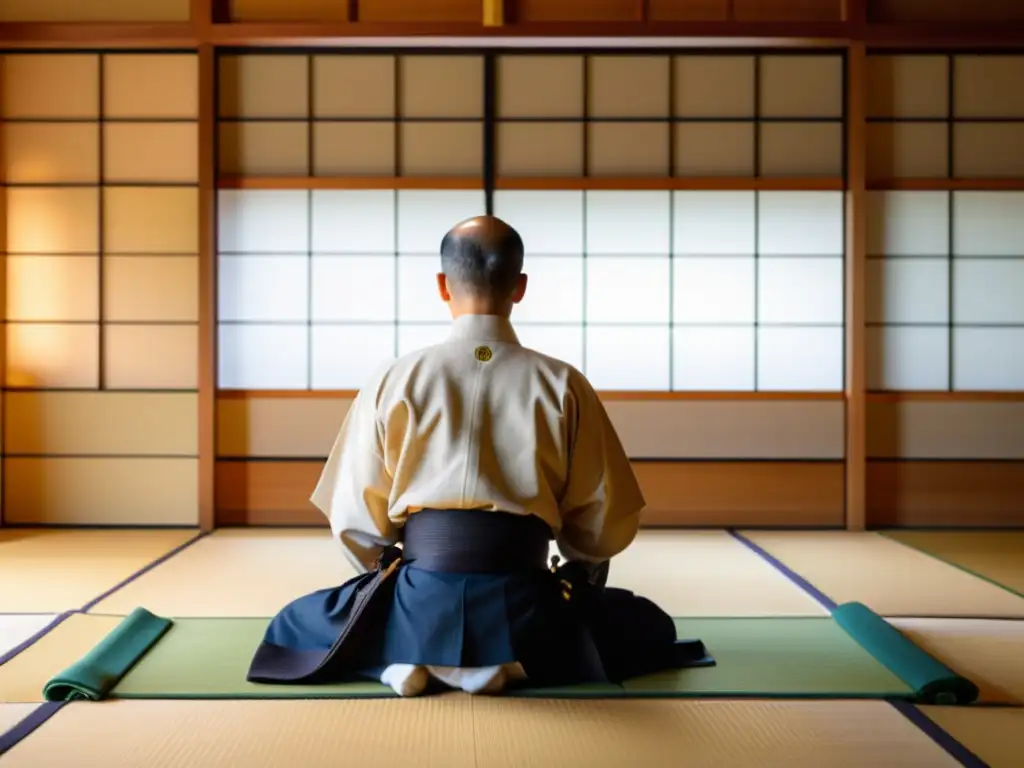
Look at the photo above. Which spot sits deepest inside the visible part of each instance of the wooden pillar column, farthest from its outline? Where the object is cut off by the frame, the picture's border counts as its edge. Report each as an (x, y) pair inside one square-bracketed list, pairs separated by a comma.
[(202, 23), (856, 277), (494, 13)]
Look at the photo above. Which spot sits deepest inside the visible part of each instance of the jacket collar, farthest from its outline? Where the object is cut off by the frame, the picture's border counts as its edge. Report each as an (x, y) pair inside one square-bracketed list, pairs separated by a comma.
[(484, 328)]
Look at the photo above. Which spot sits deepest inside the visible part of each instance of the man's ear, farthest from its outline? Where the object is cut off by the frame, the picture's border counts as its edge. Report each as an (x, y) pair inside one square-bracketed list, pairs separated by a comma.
[(442, 287), (520, 290)]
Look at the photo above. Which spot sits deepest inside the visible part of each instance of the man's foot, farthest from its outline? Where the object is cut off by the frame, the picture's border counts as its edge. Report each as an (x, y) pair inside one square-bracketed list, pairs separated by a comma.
[(406, 679), (473, 680)]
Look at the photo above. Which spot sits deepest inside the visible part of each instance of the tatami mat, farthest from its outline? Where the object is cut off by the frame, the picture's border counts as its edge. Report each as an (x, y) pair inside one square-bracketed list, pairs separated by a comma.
[(23, 677), (256, 572), (891, 579), (14, 630), (236, 572), (459, 732), (707, 573), (994, 735), (995, 555), (12, 714), (58, 570), (989, 653)]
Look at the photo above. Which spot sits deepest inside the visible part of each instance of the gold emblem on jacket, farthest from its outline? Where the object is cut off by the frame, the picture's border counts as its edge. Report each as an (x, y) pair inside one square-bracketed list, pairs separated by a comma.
[(483, 354)]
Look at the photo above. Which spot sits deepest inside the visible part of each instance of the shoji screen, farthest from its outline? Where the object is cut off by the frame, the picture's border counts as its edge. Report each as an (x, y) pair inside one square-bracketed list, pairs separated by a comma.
[(697, 289), (946, 281), (100, 153), (684, 225), (320, 286)]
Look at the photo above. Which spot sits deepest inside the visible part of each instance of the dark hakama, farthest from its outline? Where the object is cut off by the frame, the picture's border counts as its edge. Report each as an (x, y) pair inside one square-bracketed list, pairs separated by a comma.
[(561, 631)]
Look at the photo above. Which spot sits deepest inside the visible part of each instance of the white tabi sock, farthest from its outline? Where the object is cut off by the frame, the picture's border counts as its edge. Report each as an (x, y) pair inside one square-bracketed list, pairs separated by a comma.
[(405, 679)]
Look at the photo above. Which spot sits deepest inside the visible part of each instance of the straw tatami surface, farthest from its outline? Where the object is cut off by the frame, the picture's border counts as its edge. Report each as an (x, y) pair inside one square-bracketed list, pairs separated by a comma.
[(712, 574)]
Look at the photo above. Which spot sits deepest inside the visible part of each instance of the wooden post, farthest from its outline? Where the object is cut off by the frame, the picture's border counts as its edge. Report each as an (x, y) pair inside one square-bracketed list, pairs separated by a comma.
[(207, 284), (856, 277), (494, 13), (3, 299)]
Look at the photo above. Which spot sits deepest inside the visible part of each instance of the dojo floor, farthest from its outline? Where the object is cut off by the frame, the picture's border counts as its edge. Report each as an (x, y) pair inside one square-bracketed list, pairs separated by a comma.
[(967, 614)]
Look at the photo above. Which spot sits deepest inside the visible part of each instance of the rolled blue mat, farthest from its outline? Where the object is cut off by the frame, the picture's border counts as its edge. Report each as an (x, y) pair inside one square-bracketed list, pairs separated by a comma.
[(931, 681), (97, 673)]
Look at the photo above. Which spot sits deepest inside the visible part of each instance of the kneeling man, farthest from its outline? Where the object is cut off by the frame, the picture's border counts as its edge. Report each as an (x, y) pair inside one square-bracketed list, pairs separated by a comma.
[(473, 455)]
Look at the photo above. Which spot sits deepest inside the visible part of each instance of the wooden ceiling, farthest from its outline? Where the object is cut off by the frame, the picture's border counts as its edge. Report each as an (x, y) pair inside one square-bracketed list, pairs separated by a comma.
[(710, 23)]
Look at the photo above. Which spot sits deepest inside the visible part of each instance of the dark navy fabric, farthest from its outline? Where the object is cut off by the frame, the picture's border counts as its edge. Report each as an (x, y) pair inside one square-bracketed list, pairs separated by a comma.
[(473, 590), (477, 620)]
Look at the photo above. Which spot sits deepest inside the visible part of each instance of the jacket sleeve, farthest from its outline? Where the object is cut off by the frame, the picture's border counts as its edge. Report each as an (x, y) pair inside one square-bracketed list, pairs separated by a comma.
[(354, 487), (601, 507)]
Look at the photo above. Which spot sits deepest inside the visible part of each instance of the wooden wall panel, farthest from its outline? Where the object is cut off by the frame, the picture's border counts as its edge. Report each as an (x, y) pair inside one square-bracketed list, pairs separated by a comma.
[(456, 11), (787, 10), (750, 494), (944, 10), (705, 494), (287, 10), (524, 11), (399, 11), (688, 10), (957, 494), (94, 10), (136, 491), (944, 429), (305, 427), (267, 493), (101, 423)]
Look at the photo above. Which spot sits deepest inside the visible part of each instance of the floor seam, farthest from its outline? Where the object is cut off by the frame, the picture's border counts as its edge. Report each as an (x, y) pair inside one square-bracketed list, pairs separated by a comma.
[(951, 564), (943, 738), (795, 578), (24, 645), (28, 725), (142, 571), (932, 730)]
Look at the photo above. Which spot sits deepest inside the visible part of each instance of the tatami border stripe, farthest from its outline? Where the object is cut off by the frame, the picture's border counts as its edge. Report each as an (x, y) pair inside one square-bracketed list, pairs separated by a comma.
[(932, 730), (950, 563), (29, 725), (25, 644), (824, 600), (61, 618), (142, 571), (936, 733)]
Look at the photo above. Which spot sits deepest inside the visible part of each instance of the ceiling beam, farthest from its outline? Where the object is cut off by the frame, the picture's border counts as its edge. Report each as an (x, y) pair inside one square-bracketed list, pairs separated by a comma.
[(712, 34)]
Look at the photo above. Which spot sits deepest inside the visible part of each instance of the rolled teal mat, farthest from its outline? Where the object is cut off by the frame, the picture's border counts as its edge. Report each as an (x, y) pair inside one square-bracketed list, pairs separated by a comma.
[(931, 680), (96, 673)]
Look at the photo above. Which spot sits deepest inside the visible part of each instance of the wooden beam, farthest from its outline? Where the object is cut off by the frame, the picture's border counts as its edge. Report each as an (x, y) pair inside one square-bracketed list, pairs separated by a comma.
[(718, 183), (494, 13), (945, 185), (350, 182), (569, 183), (207, 364), (855, 13), (945, 397), (856, 289), (201, 17), (717, 34), (47, 35), (608, 395), (1008, 34), (697, 34)]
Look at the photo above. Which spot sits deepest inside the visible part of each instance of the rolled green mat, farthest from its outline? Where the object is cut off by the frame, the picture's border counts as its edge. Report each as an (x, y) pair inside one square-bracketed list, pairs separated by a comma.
[(931, 680), (94, 675)]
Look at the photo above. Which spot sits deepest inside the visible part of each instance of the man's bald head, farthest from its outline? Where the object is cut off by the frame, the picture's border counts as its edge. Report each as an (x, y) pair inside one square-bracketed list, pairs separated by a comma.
[(482, 257)]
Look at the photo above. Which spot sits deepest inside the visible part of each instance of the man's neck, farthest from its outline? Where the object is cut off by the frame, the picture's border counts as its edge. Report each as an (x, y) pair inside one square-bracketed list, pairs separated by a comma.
[(484, 328)]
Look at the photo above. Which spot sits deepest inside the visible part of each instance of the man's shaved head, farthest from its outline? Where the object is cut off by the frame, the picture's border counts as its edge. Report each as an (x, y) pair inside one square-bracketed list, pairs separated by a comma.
[(482, 257)]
